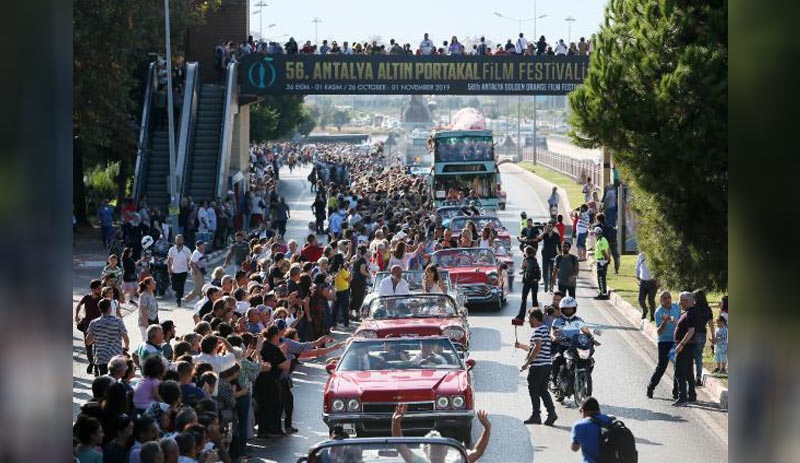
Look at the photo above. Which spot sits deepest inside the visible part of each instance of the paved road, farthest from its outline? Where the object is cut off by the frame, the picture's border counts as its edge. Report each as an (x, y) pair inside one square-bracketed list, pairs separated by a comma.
[(624, 363)]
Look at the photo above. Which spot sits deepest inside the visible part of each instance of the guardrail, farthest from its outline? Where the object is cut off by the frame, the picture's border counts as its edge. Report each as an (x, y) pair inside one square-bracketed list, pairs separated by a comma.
[(577, 169), (144, 134), (226, 143), (188, 122)]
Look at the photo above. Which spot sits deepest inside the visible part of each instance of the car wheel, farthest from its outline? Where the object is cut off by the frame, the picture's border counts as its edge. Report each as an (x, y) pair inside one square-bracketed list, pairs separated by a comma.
[(464, 435)]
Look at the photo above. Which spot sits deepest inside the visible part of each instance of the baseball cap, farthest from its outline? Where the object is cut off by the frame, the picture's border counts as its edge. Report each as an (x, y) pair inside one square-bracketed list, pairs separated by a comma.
[(598, 231)]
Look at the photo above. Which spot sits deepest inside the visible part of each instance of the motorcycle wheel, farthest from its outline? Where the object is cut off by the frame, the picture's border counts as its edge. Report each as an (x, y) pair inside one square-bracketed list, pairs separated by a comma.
[(583, 387)]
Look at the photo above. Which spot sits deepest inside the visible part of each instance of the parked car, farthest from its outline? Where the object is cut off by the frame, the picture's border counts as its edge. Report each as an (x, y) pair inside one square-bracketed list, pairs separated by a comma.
[(416, 315), (387, 450), (475, 271), (373, 375)]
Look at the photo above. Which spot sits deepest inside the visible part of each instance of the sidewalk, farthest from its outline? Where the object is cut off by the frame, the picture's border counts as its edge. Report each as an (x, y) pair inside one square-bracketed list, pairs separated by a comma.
[(712, 385)]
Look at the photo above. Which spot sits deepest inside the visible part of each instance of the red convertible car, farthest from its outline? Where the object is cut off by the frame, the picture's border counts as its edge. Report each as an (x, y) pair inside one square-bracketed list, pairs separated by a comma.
[(474, 270), (458, 223), (374, 375), (422, 314), (387, 450)]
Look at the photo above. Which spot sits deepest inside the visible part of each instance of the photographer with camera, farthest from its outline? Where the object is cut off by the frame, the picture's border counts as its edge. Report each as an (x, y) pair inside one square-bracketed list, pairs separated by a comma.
[(553, 311), (531, 273)]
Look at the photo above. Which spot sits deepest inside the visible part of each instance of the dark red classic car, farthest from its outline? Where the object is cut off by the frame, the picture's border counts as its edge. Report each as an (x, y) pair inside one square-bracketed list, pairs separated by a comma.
[(474, 270), (374, 375), (421, 314), (458, 223)]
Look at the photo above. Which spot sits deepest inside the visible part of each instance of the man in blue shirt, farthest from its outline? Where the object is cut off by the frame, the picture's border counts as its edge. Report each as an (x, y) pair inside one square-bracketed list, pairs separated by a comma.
[(666, 315), (586, 433), (335, 223), (106, 216)]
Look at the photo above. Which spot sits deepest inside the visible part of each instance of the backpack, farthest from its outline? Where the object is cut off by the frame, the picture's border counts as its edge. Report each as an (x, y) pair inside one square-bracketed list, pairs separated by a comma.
[(617, 444)]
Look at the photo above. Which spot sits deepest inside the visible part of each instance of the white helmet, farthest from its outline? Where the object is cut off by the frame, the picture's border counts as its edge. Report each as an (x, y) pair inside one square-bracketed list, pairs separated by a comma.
[(147, 241), (568, 302)]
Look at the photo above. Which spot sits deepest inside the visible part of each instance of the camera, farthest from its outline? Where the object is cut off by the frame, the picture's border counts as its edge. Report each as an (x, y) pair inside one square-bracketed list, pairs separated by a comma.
[(550, 309)]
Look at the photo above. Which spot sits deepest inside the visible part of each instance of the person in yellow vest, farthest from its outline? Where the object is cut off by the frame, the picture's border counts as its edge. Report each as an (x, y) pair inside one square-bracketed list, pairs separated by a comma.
[(602, 258)]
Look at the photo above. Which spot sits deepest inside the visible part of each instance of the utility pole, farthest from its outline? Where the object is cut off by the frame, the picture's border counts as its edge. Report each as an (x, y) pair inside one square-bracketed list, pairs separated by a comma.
[(569, 20), (316, 22), (173, 181), (261, 6)]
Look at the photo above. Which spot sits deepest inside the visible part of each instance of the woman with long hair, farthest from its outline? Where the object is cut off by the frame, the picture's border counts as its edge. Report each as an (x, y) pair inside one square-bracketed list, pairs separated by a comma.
[(148, 305), (485, 240), (432, 282), (473, 231), (400, 257)]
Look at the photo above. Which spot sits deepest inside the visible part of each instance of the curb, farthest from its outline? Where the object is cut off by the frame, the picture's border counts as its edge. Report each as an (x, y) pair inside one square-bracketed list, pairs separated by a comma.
[(712, 385)]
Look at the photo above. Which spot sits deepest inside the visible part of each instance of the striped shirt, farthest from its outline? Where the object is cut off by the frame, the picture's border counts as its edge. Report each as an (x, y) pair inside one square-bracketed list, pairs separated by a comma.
[(541, 334), (107, 331)]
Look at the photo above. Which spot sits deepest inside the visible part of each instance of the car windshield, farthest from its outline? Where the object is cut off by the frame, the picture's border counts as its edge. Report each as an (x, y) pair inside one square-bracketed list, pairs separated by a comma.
[(414, 279), (414, 306), (400, 354), (449, 212), (415, 450), (459, 223), (465, 257)]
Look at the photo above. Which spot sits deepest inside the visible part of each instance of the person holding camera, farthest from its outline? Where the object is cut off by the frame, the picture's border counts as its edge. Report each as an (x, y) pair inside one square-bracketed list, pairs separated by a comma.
[(530, 280), (565, 270), (552, 311), (197, 264), (550, 241)]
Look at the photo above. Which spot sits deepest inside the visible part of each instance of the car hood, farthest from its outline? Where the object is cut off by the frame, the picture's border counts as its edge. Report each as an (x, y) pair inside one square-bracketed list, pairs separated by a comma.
[(467, 275), (385, 385)]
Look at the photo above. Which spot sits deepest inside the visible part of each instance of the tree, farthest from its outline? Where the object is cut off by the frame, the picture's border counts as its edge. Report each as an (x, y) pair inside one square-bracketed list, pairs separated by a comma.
[(340, 118), (277, 117), (656, 96)]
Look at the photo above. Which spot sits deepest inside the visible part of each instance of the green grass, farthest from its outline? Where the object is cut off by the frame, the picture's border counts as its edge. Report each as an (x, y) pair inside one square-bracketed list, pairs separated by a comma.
[(573, 189)]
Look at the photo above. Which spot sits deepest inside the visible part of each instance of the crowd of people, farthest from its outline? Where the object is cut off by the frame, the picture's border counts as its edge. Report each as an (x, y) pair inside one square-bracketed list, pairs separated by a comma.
[(230, 51)]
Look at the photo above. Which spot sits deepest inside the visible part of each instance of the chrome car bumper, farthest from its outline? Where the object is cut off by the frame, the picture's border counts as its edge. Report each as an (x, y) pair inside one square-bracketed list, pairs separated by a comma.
[(481, 294), (413, 422)]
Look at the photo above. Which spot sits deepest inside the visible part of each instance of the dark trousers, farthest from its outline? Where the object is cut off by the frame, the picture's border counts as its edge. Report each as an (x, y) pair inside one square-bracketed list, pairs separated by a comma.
[(602, 286), (663, 361), (358, 291), (699, 346), (341, 305), (287, 400), (102, 368), (270, 407), (547, 270), (684, 374), (178, 282), (242, 410), (537, 389), (320, 219), (533, 288), (612, 245), (567, 290), (281, 227), (647, 290)]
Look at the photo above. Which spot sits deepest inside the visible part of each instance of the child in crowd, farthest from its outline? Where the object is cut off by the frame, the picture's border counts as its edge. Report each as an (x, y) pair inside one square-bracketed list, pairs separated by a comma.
[(721, 346)]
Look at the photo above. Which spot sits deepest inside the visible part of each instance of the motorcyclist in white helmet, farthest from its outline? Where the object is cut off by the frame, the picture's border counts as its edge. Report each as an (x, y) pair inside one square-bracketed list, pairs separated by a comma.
[(568, 320)]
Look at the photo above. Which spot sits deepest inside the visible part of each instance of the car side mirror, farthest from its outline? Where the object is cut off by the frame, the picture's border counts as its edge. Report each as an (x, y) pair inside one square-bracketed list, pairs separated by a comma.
[(330, 367), (470, 364)]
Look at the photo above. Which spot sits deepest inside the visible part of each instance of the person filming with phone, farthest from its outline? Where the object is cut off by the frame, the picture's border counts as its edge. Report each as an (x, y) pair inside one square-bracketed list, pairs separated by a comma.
[(666, 315)]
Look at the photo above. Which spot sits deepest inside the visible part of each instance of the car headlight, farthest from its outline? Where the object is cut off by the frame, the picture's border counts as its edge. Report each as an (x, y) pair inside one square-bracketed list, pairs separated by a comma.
[(442, 402), (458, 401), (371, 334), (453, 332), (337, 405), (353, 405)]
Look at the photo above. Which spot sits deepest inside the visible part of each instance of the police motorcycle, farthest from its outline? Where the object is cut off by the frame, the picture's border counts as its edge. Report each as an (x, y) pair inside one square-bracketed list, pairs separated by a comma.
[(573, 360)]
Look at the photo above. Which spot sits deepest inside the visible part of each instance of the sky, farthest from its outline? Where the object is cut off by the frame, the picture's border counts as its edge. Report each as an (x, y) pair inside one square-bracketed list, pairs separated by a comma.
[(349, 20)]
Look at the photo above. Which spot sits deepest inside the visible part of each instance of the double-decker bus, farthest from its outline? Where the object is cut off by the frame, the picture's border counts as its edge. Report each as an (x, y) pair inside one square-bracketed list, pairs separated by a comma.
[(463, 160)]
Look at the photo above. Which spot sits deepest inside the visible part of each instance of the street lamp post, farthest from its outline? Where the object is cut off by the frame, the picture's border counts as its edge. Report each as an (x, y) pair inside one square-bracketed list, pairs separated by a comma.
[(316, 22), (260, 6), (569, 20), (173, 182)]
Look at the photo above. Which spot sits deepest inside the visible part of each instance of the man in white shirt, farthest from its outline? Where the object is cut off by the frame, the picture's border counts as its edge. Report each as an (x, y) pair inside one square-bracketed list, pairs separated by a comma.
[(561, 47), (426, 46), (202, 218), (346, 49), (521, 45), (394, 285), (209, 353), (647, 287), (178, 259), (211, 217), (198, 265)]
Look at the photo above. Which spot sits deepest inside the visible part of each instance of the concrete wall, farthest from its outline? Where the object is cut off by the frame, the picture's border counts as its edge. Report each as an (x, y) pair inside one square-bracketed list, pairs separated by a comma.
[(240, 147)]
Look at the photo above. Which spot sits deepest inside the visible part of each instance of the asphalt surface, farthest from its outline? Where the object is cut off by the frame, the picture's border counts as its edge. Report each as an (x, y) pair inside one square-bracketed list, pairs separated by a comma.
[(624, 363)]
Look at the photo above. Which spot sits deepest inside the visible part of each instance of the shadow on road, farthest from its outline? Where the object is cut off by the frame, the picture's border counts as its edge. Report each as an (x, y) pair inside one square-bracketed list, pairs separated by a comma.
[(490, 376), (484, 339), (641, 414), (510, 441)]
